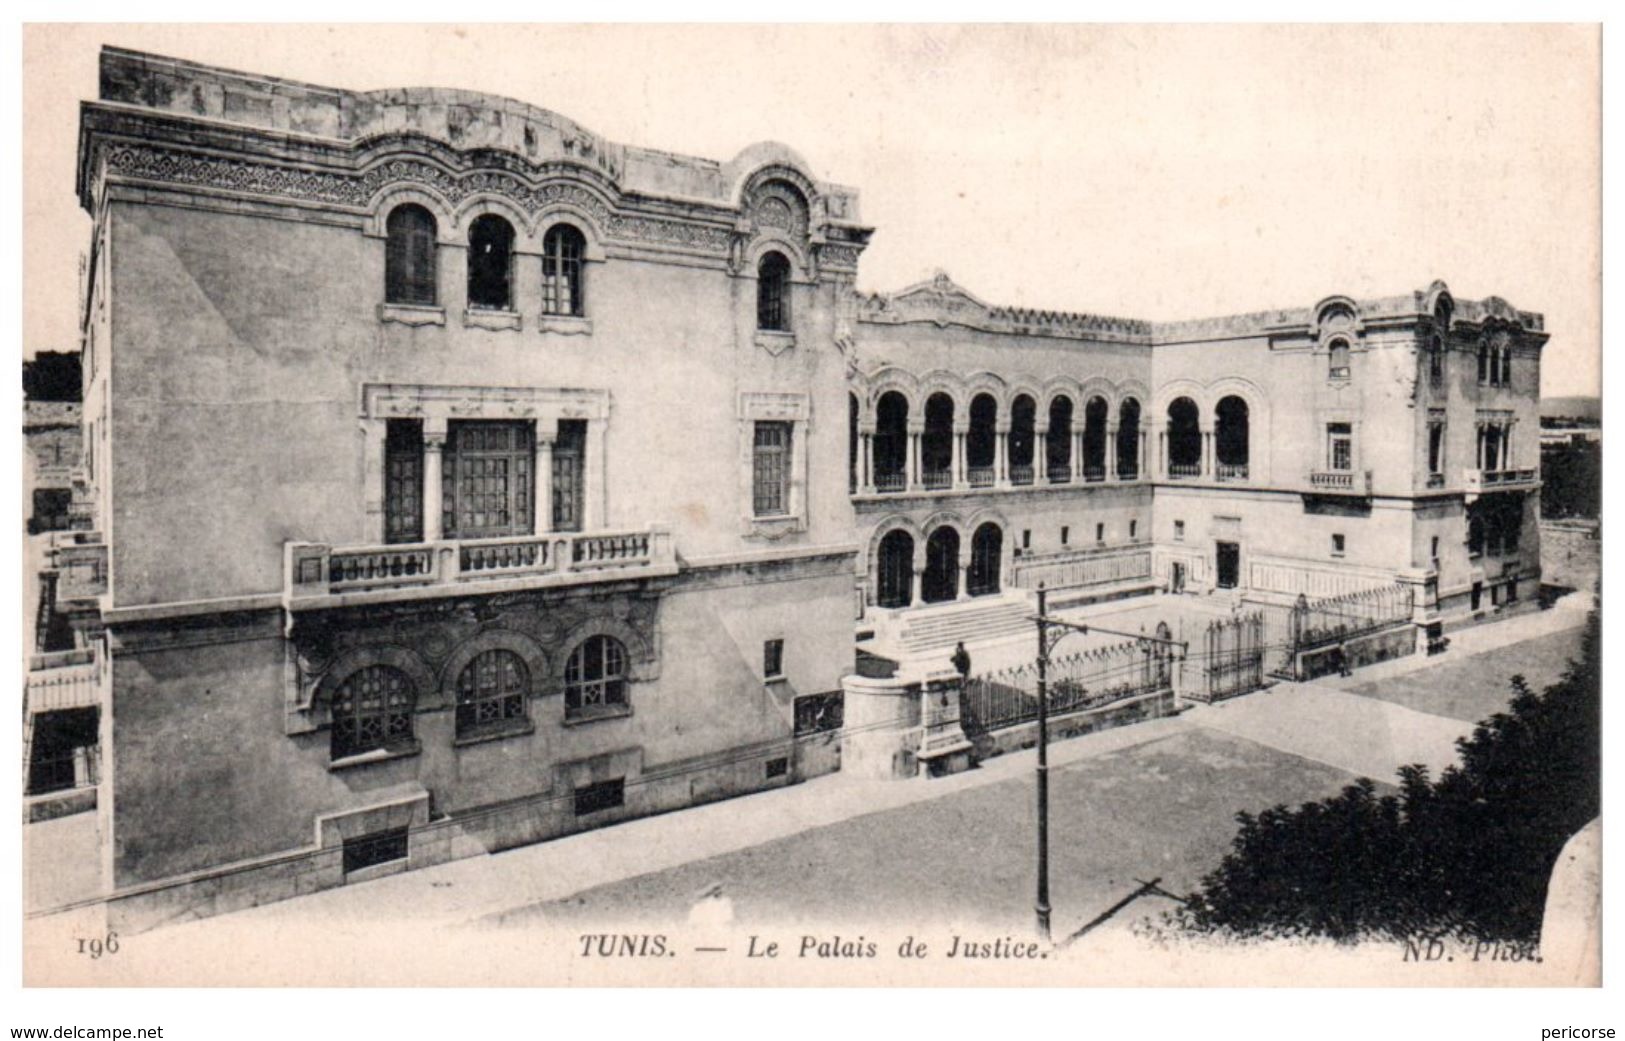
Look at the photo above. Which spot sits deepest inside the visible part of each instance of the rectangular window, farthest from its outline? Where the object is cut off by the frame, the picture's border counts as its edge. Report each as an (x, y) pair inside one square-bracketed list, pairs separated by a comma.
[(1434, 551), (569, 474), (1478, 595), (403, 481), (1100, 533), (380, 847), (1066, 533), (1339, 446), (486, 479), (1179, 530), (1026, 538), (818, 713), (1512, 591), (773, 659), (778, 767), (1435, 448), (1337, 545), (770, 470), (605, 795), (1133, 529), (1338, 368)]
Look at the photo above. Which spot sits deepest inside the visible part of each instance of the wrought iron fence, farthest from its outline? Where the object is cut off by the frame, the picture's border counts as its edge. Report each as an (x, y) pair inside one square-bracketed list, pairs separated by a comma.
[(1085, 680), (1320, 623), (1231, 658)]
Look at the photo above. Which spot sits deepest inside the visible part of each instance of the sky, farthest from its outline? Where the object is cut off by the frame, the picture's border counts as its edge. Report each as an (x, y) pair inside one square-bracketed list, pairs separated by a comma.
[(1151, 172)]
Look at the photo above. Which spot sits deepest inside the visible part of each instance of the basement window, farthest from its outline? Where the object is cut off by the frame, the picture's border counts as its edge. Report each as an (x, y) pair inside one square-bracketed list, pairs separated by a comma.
[(380, 847), (605, 795)]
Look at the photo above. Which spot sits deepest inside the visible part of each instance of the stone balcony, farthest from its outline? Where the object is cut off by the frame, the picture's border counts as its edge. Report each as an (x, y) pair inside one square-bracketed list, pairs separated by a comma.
[(320, 575), (1479, 481), (80, 559), (1340, 482), (62, 680)]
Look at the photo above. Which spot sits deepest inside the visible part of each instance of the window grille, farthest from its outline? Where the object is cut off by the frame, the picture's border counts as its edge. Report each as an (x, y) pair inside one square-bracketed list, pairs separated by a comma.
[(773, 293), (372, 709), (491, 691), (770, 483), (562, 248), (605, 795), (409, 256), (595, 677)]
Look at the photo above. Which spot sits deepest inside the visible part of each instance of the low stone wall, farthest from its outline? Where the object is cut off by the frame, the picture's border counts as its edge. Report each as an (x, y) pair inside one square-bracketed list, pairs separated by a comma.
[(1386, 645), (1075, 724), (59, 804), (469, 833)]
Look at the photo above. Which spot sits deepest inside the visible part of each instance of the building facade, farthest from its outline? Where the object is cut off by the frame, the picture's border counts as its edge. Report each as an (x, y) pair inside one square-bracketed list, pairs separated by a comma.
[(457, 479)]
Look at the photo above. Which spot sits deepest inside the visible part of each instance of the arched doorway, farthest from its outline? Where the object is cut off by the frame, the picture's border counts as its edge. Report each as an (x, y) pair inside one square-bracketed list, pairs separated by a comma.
[(1231, 439), (941, 579), (1023, 426), (891, 442), (1094, 439), (937, 442), (1058, 442), (986, 551), (1128, 439), (894, 578), (1184, 439), (982, 441)]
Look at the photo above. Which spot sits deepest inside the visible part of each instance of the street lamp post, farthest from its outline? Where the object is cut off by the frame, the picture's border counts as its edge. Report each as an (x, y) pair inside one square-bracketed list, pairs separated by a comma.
[(1041, 905)]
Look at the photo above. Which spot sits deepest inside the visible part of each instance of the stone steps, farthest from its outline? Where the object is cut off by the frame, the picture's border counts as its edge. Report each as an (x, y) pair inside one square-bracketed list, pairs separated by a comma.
[(941, 628)]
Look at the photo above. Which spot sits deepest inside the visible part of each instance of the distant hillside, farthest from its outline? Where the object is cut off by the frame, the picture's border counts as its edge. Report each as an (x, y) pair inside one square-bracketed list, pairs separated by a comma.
[(1579, 408)]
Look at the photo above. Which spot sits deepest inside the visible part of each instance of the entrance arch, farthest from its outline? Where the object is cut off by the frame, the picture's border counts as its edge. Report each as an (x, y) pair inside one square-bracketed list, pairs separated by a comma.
[(941, 579), (986, 554), (894, 578)]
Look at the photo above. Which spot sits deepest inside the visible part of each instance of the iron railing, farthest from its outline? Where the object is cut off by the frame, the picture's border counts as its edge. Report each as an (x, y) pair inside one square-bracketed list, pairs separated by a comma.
[(1077, 682)]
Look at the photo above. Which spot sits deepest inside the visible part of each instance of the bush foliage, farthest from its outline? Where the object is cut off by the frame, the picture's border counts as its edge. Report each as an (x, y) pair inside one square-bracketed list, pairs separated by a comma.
[(1468, 854)]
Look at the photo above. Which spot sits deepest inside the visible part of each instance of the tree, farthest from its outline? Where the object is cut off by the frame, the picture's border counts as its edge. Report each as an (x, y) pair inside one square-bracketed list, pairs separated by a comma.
[(1468, 855)]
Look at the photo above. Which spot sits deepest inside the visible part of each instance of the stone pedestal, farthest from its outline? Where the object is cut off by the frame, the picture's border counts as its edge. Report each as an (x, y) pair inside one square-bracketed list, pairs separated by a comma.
[(903, 726)]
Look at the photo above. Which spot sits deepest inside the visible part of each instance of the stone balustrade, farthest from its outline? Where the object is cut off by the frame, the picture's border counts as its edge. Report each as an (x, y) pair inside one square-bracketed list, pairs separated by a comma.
[(62, 680), (316, 569), (1494, 480)]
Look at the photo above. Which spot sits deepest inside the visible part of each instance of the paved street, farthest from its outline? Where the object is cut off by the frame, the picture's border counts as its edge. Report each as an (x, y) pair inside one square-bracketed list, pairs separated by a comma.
[(1153, 800)]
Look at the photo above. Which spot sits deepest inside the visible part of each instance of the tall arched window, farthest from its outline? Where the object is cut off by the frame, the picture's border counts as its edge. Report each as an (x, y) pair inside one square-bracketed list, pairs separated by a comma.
[(773, 293), (490, 263), (562, 286), (409, 256), (1231, 439), (372, 710), (595, 678), (491, 691), (1436, 360), (1184, 439), (1021, 441)]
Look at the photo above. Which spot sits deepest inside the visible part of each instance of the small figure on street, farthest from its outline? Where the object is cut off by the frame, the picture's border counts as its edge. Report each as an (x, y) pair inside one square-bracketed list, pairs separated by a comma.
[(961, 659), (1341, 656)]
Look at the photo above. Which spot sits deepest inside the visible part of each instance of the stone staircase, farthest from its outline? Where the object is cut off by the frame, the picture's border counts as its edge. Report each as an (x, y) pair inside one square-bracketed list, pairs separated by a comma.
[(983, 620)]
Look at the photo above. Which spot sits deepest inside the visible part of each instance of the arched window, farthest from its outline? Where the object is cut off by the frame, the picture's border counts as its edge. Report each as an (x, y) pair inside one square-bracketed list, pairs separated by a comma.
[(894, 578), (1338, 365), (987, 549), (1128, 439), (937, 442), (891, 442), (773, 293), (1506, 365), (1058, 442), (1184, 439), (409, 256), (491, 691), (595, 678), (1021, 441), (1436, 360), (490, 263), (1483, 362), (982, 441), (1231, 439), (562, 288), (372, 710), (1095, 417)]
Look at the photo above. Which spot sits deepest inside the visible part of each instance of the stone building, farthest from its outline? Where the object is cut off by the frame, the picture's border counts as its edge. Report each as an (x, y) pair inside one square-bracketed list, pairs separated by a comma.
[(458, 479)]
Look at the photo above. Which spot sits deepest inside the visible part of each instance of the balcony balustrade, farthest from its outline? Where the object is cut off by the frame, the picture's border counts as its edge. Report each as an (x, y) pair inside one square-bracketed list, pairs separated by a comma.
[(562, 558), (981, 476), (891, 482), (1340, 482), (1093, 472), (1021, 475), (1230, 471), (1060, 475), (1128, 473), (1184, 471), (62, 680), (1498, 480), (936, 480)]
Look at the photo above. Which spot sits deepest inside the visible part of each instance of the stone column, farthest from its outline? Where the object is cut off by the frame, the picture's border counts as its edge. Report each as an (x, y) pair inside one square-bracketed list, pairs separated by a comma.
[(543, 479), (961, 473), (1001, 459), (1479, 433), (1162, 449), (964, 572), (1143, 450), (1040, 455), (1207, 455), (916, 585), (866, 463), (1111, 453), (916, 476), (434, 446)]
